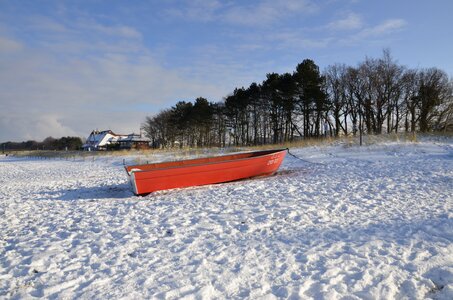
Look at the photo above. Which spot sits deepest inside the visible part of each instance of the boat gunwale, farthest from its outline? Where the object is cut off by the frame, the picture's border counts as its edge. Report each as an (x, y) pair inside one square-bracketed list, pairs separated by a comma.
[(271, 152)]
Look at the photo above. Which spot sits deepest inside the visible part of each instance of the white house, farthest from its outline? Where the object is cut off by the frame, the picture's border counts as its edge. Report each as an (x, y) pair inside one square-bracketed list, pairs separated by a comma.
[(99, 140)]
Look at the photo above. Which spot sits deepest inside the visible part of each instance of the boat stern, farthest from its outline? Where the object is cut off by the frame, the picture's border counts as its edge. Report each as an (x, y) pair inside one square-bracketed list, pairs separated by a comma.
[(132, 182)]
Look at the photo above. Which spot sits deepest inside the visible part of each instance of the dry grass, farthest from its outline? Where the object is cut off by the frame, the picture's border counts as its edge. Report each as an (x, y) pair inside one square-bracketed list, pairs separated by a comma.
[(143, 156)]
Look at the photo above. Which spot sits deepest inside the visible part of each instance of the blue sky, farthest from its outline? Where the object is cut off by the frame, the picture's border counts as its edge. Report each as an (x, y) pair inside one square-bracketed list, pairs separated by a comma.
[(67, 67)]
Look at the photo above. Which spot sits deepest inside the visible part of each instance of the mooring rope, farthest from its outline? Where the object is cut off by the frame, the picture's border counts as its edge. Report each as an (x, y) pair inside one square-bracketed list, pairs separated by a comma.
[(301, 159)]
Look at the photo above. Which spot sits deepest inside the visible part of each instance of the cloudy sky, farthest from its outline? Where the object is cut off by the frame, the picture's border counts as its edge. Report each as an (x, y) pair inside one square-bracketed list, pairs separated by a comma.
[(68, 67)]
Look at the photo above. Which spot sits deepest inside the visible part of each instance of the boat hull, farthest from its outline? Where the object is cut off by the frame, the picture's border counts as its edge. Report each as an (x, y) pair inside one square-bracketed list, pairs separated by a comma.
[(149, 178)]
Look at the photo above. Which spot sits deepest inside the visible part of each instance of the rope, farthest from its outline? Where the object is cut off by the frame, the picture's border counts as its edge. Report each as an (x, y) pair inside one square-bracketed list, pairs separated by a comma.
[(301, 159)]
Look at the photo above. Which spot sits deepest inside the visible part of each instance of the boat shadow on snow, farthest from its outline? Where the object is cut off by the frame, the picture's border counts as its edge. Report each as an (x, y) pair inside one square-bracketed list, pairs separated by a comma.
[(117, 191)]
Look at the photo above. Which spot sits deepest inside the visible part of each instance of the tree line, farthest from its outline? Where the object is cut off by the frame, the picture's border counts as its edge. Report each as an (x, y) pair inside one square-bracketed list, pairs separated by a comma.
[(377, 96), (49, 143)]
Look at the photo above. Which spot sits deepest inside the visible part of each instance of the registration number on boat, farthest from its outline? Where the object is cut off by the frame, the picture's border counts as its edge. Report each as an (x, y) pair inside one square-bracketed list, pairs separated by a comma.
[(274, 159)]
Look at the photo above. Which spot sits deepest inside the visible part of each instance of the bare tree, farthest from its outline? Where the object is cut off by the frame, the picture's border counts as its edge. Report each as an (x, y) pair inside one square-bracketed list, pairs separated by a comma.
[(336, 85)]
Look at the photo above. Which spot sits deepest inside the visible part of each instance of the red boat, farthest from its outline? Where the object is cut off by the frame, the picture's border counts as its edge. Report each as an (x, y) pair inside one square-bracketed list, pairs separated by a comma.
[(178, 174)]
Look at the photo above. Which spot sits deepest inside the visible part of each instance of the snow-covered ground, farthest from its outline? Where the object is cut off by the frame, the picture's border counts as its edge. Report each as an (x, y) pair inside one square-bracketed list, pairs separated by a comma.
[(361, 223)]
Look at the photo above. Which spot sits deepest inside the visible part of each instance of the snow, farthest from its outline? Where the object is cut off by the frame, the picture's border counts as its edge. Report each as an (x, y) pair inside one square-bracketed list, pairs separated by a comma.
[(373, 222)]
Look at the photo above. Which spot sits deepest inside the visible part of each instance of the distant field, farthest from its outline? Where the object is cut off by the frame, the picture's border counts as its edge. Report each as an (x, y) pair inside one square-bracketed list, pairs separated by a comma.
[(351, 141)]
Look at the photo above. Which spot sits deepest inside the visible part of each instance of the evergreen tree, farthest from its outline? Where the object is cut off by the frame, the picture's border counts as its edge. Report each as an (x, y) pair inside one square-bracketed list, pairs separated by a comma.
[(311, 97)]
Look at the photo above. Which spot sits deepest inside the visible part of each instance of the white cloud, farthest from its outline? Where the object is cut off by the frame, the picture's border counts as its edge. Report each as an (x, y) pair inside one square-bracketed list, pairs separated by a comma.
[(8, 45), (199, 10), (374, 33), (115, 30), (268, 12), (263, 13), (51, 124), (386, 27), (45, 24), (350, 22), (63, 86), (52, 27), (41, 96), (296, 40)]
